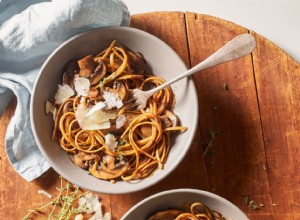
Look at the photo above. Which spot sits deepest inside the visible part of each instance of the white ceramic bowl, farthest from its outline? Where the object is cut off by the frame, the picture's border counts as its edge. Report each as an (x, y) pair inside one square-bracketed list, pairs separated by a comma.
[(177, 197), (161, 59)]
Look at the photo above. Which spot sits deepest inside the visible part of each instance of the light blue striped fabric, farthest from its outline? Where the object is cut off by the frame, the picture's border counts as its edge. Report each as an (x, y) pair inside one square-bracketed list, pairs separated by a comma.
[(29, 31)]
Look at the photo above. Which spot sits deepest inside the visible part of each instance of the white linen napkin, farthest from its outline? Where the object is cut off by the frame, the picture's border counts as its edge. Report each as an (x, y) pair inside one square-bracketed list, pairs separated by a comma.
[(29, 31)]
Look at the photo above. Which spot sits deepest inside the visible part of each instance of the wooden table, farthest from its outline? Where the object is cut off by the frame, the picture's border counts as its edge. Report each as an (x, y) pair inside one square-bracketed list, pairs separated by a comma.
[(253, 104)]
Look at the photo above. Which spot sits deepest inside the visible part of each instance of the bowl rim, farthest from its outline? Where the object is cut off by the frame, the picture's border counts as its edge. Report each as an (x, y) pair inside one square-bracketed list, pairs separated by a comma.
[(184, 190), (193, 126)]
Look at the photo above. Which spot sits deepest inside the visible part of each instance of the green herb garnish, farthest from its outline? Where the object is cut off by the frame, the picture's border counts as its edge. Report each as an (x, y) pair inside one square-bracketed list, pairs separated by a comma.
[(123, 142), (213, 134), (103, 162), (121, 156), (250, 203), (62, 203)]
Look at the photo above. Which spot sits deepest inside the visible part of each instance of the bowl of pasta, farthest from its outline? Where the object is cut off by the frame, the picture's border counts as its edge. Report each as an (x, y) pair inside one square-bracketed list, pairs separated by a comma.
[(182, 204), (84, 120)]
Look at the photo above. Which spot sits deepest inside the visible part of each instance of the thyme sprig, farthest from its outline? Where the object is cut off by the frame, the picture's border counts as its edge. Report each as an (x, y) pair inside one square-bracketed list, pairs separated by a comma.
[(64, 201), (213, 134), (250, 203)]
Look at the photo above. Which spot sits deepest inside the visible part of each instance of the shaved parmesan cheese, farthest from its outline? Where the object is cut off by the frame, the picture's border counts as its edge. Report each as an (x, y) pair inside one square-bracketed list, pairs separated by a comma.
[(99, 216), (49, 107), (63, 93), (89, 204), (54, 114), (112, 100), (82, 86), (44, 193), (110, 142), (173, 119), (97, 107), (107, 216), (97, 117), (93, 118), (120, 121), (78, 217)]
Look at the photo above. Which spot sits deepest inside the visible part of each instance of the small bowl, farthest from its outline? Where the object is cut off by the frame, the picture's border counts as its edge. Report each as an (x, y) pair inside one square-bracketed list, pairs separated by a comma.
[(177, 197), (161, 60)]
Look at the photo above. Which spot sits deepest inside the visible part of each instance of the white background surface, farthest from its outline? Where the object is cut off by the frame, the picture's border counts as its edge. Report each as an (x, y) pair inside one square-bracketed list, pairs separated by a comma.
[(276, 20)]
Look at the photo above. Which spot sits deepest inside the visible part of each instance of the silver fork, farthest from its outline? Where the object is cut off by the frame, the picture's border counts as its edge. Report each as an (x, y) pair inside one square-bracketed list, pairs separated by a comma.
[(238, 47)]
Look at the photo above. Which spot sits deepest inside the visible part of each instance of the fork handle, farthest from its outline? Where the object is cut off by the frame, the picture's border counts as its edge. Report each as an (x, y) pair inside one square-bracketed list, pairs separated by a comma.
[(238, 47)]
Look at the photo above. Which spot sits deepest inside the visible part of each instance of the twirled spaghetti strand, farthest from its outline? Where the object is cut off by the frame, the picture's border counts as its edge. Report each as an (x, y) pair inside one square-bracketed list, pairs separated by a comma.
[(143, 151)]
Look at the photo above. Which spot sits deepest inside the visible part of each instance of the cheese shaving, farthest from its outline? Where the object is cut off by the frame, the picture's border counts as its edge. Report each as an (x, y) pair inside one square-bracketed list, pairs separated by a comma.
[(112, 100), (82, 86), (97, 117), (54, 114), (110, 142), (44, 193), (173, 119), (89, 204), (120, 121), (49, 107), (93, 118), (97, 107), (78, 217), (63, 93)]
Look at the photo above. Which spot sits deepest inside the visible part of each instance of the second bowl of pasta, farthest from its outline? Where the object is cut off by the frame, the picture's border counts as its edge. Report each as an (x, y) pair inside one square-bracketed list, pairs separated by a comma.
[(183, 204)]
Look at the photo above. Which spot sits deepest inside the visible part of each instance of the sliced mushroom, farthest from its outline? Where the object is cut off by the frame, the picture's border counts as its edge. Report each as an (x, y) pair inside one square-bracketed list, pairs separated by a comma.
[(129, 118), (110, 168), (170, 214), (137, 62), (87, 66), (120, 89), (172, 117), (173, 103), (82, 159), (112, 129), (69, 73), (165, 121), (100, 72), (93, 92)]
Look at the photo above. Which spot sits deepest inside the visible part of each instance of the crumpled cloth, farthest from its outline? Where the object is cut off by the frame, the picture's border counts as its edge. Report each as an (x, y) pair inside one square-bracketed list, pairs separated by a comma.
[(29, 31)]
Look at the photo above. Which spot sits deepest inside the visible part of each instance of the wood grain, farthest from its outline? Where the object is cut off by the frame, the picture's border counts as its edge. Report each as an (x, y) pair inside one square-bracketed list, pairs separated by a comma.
[(277, 78), (256, 115), (236, 167)]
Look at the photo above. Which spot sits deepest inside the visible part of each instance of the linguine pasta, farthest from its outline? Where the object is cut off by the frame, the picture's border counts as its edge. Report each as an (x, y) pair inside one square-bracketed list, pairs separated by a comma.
[(98, 124), (195, 211)]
